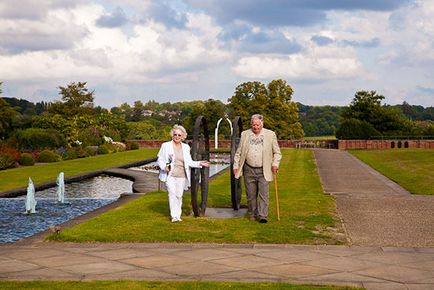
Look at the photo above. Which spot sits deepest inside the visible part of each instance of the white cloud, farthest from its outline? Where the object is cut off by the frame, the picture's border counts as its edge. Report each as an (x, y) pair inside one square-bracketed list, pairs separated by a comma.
[(193, 53), (316, 63), (110, 53)]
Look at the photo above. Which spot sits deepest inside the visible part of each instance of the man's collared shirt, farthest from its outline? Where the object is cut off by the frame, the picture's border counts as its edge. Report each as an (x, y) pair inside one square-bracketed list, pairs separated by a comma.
[(255, 149)]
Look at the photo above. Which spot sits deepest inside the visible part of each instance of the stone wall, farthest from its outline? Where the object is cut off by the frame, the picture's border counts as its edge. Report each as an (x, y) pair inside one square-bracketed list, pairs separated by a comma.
[(385, 144)]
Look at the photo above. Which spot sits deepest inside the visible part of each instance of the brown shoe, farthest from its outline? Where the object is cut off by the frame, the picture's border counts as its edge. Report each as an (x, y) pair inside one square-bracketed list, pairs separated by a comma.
[(252, 218), (263, 220)]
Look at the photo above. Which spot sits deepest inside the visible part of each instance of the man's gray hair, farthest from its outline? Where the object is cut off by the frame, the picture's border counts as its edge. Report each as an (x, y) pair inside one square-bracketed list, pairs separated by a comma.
[(258, 117)]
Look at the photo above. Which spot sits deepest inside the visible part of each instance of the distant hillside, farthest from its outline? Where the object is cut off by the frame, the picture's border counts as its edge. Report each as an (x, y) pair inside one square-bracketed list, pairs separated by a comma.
[(26, 107)]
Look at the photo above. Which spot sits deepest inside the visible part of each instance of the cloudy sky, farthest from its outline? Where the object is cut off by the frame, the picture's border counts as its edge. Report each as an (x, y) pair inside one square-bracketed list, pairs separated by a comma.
[(184, 50)]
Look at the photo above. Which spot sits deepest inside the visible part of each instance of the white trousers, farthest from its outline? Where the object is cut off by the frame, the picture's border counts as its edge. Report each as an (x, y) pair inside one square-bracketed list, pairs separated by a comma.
[(175, 189)]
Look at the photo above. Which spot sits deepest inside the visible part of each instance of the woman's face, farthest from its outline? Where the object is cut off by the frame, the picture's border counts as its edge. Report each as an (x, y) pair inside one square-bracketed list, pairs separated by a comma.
[(177, 136)]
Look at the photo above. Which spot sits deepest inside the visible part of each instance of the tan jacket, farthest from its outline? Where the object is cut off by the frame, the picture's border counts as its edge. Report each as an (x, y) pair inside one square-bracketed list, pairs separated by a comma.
[(270, 156)]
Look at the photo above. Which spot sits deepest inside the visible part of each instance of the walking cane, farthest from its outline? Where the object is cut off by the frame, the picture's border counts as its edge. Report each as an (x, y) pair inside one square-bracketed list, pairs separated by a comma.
[(277, 198)]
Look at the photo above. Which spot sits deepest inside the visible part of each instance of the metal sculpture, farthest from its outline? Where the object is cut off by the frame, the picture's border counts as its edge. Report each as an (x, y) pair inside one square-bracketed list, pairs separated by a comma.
[(216, 133), (200, 176), (236, 190)]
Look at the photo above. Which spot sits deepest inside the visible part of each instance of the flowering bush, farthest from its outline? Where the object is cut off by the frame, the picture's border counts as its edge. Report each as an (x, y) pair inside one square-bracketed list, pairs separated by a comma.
[(119, 146), (8, 157)]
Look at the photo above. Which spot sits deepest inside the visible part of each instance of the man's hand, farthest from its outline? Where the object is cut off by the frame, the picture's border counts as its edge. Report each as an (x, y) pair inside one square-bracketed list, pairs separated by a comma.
[(235, 171), (274, 169)]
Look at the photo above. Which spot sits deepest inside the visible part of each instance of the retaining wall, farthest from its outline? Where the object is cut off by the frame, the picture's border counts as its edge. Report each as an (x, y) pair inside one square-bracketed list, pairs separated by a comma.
[(329, 144), (385, 144)]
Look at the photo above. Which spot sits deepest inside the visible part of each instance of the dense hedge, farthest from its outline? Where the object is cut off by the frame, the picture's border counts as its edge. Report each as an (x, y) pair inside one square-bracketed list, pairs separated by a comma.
[(37, 138)]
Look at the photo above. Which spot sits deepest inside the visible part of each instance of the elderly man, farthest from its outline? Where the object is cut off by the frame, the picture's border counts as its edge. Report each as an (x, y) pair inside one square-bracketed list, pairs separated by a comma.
[(257, 158)]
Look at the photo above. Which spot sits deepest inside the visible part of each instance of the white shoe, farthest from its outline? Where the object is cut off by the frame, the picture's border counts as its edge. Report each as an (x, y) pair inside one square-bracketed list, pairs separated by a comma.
[(174, 220), (179, 219)]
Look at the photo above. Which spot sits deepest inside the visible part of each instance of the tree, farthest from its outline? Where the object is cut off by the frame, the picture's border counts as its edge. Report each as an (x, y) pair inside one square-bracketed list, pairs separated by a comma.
[(7, 115), (138, 111), (366, 106), (273, 101), (249, 98), (76, 100), (356, 129)]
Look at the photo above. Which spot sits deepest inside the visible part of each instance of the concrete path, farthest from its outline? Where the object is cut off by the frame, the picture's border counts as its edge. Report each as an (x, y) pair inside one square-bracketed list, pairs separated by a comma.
[(375, 211), (369, 267)]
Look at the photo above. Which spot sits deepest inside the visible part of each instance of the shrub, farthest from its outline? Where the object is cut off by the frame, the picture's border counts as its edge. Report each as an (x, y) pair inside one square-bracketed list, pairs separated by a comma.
[(90, 136), (8, 157), (69, 154), (6, 161), (48, 156), (26, 159), (37, 138), (81, 152), (91, 150), (351, 129), (133, 145), (119, 146), (103, 149)]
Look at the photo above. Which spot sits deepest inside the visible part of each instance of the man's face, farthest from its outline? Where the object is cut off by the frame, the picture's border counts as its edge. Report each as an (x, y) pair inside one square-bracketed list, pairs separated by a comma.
[(256, 126)]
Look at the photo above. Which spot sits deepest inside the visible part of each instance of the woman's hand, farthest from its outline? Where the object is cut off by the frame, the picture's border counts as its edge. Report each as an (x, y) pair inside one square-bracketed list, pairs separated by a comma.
[(204, 163)]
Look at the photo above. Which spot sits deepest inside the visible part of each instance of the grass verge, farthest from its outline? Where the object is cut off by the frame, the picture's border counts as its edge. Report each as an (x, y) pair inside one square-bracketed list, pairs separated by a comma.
[(108, 285), (411, 168), (18, 177), (306, 214)]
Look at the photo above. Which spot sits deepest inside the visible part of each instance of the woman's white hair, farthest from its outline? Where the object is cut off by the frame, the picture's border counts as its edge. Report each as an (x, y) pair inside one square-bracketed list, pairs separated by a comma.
[(179, 128)]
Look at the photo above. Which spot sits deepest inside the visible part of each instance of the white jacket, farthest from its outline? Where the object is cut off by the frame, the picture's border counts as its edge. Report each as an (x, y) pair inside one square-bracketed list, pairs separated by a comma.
[(166, 155)]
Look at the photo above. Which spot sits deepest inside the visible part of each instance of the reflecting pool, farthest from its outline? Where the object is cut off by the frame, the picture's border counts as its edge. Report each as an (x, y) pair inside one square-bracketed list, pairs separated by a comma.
[(80, 198)]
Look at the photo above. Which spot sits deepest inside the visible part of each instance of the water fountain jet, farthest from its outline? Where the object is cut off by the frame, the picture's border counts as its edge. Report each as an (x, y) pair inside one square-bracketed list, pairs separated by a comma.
[(61, 188), (30, 198)]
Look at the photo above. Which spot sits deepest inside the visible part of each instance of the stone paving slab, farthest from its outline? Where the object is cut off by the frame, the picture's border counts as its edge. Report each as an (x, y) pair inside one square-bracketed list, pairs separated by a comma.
[(369, 267)]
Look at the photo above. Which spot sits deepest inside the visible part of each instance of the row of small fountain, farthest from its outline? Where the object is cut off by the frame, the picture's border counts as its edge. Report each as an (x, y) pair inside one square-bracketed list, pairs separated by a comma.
[(54, 206), (30, 197)]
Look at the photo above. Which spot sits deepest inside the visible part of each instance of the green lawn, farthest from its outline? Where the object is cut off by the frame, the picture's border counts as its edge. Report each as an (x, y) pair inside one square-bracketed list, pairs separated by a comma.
[(116, 285), (411, 168), (306, 214), (18, 177)]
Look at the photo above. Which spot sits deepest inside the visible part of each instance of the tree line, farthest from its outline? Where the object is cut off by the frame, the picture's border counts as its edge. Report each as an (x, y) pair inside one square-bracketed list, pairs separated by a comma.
[(77, 118)]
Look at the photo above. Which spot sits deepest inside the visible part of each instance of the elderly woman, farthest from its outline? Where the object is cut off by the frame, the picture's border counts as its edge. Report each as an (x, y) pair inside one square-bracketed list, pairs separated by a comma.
[(175, 161)]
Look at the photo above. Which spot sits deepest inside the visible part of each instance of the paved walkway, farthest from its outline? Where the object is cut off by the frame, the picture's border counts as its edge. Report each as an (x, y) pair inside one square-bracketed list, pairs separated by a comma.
[(375, 211), (371, 266)]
